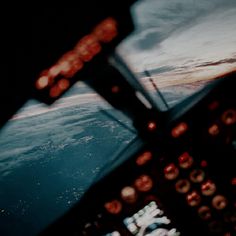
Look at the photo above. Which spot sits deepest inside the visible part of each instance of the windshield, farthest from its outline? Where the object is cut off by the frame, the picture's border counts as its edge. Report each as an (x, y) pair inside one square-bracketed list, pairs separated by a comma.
[(51, 155)]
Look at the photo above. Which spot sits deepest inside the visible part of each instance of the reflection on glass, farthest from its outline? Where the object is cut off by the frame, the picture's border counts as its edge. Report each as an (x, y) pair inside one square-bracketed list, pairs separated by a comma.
[(150, 221)]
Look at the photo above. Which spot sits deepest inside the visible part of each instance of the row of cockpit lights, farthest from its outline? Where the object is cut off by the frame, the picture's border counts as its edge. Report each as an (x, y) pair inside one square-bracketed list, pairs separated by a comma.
[(57, 78)]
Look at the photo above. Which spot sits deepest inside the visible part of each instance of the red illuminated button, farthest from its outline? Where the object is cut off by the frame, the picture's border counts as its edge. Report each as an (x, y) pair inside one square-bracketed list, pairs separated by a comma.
[(229, 117), (115, 89), (197, 176), (144, 158), (87, 48), (213, 106), (55, 91), (193, 199), (208, 188), (219, 202), (106, 31), (204, 212), (152, 126), (171, 171), (179, 130), (182, 186), (144, 183), (114, 207), (185, 160)]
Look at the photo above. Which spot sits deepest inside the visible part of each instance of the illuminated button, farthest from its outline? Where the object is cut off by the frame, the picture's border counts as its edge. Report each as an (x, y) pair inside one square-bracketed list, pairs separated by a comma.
[(128, 194), (113, 207), (54, 70), (171, 172), (213, 106), (219, 202), (185, 160), (204, 212), (152, 126), (55, 91), (179, 130), (182, 186), (63, 84), (233, 181), (106, 31), (144, 158), (83, 52), (214, 130), (208, 188), (87, 48), (42, 82), (229, 117), (197, 176), (193, 199), (115, 89), (216, 227), (144, 183), (204, 163)]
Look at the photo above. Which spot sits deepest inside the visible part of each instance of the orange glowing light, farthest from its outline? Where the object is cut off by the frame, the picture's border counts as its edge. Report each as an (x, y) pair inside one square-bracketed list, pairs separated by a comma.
[(208, 188), (185, 160), (63, 84), (55, 91), (151, 126), (113, 207), (73, 61), (193, 199), (171, 171), (229, 117), (182, 186), (42, 82), (128, 194), (144, 158), (179, 130), (144, 183), (197, 176), (214, 130), (219, 202), (106, 31)]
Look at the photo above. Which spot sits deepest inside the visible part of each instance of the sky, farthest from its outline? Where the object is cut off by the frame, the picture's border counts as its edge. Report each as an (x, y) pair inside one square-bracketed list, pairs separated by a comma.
[(182, 41)]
